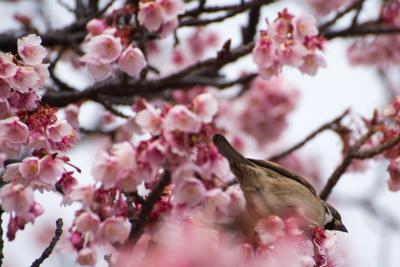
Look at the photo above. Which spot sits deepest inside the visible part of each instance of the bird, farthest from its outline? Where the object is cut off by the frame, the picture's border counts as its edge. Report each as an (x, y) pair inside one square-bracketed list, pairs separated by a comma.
[(270, 189)]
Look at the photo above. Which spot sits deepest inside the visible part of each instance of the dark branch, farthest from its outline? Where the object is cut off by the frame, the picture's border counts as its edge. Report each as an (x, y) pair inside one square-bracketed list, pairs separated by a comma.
[(47, 252), (372, 152), (139, 224)]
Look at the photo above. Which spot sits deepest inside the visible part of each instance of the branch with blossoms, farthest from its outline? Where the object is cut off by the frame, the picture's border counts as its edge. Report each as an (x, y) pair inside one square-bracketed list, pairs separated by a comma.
[(176, 108)]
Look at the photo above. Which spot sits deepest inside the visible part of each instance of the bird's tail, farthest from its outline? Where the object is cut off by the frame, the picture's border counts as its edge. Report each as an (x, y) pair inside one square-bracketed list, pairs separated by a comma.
[(226, 150)]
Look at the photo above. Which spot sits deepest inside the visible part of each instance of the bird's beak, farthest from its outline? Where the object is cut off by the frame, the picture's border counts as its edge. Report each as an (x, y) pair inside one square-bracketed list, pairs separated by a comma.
[(341, 228)]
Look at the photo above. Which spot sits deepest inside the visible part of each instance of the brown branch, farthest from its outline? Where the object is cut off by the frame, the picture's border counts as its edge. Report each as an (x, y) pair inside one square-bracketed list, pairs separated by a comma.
[(250, 30), (347, 160), (139, 224), (47, 252), (372, 152), (364, 29), (327, 126), (338, 16), (185, 78)]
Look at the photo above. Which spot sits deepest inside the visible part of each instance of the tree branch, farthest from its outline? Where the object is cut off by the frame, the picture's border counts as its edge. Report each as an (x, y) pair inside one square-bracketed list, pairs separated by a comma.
[(47, 252), (327, 126), (139, 224)]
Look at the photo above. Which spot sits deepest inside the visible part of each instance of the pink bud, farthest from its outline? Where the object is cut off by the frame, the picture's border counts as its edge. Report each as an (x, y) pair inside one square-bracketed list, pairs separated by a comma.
[(264, 52), (132, 61), (394, 172), (96, 26), (30, 50), (104, 48)]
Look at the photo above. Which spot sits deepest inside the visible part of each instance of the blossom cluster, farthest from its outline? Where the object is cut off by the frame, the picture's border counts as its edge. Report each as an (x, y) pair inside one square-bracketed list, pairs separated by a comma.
[(322, 7), (391, 129), (180, 141), (195, 243), (160, 15), (291, 41), (379, 50), (104, 48), (22, 75), (31, 129), (261, 114)]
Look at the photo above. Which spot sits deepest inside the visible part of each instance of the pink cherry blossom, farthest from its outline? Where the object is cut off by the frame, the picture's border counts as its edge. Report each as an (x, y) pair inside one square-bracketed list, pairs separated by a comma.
[(42, 70), (216, 205), (151, 15), (205, 106), (86, 257), (50, 170), (168, 27), (293, 54), (58, 130), (149, 119), (270, 229), (304, 25), (264, 52), (99, 71), (13, 130), (190, 191), (125, 155), (7, 66), (24, 79), (182, 119), (16, 198), (132, 61), (12, 173), (29, 168), (115, 230), (30, 50), (172, 8), (106, 170), (312, 63), (87, 222), (104, 48), (96, 26)]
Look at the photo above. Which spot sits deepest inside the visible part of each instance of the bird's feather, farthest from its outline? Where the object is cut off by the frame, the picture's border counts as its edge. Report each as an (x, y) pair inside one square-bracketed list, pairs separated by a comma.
[(283, 171)]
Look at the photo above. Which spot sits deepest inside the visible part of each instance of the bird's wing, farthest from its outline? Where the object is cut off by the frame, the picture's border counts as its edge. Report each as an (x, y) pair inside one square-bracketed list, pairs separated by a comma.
[(283, 171)]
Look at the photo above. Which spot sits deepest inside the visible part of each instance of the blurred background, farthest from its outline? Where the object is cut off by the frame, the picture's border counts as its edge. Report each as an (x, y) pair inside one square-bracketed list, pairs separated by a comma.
[(373, 238)]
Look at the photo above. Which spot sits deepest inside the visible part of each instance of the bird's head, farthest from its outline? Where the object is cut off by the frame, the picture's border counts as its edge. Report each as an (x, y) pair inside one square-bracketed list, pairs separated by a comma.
[(335, 222)]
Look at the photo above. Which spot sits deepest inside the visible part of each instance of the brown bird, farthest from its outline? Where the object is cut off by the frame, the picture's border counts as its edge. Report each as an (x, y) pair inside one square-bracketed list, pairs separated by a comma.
[(270, 189)]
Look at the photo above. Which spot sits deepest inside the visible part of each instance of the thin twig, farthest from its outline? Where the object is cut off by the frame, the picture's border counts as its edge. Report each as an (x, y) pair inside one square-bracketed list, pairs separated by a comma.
[(327, 126), (47, 252)]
